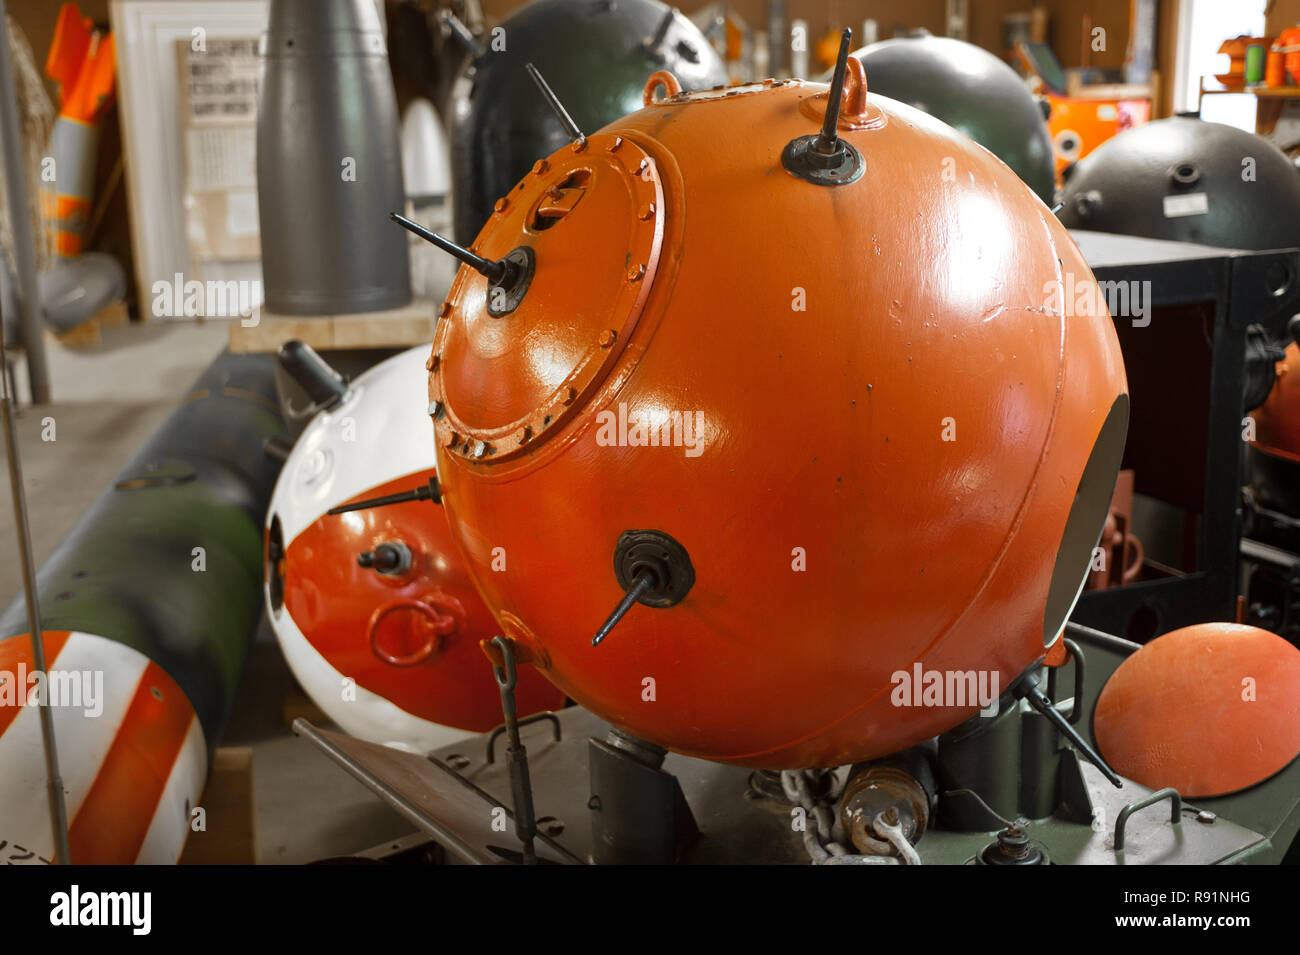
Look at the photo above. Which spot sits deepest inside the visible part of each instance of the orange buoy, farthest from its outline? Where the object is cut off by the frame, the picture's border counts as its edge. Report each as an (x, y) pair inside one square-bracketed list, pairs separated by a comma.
[(1208, 709), (807, 400)]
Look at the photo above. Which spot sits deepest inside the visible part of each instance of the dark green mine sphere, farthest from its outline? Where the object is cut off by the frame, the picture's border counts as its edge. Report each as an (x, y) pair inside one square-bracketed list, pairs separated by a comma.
[(595, 54), (972, 91)]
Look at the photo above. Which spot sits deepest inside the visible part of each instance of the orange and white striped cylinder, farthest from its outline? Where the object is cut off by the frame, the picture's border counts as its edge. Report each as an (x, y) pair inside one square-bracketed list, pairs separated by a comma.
[(70, 198), (82, 62), (131, 751)]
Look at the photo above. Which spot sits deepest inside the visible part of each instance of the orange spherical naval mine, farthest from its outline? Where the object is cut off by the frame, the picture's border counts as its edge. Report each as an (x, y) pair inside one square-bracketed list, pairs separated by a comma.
[(1208, 709), (814, 404), (373, 608)]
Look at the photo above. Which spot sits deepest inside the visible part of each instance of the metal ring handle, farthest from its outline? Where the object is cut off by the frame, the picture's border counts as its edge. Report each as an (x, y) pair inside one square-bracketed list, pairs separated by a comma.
[(1076, 654), (672, 86), (440, 625), (1075, 657), (535, 718), (1176, 816)]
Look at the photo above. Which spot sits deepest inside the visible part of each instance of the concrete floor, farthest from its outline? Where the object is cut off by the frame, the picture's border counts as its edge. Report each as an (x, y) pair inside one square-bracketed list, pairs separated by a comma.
[(108, 400)]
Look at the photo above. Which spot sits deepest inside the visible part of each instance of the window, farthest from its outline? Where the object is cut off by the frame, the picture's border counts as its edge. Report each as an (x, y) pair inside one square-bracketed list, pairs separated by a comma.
[(1202, 26)]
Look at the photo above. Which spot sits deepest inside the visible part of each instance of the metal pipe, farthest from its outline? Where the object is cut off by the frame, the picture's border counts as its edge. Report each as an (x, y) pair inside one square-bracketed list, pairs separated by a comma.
[(54, 782), (29, 292)]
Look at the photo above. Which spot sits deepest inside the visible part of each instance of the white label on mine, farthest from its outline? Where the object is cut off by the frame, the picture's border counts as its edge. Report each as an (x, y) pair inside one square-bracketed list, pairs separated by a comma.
[(1192, 204)]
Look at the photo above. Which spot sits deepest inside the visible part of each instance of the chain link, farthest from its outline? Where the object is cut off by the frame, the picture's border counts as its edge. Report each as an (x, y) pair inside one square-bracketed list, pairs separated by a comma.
[(819, 831)]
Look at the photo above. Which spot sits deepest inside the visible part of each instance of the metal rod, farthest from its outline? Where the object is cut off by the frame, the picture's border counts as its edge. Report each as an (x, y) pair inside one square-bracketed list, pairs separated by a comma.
[(1101, 638), (425, 492), (15, 168), (516, 756), (643, 583), (54, 782), (462, 33), (829, 135), (570, 127), (1043, 705), (661, 33), (526, 721), (493, 271)]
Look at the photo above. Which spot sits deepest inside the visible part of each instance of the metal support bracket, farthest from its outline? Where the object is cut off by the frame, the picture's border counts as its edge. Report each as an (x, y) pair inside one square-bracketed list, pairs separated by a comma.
[(516, 756), (1175, 815), (639, 814)]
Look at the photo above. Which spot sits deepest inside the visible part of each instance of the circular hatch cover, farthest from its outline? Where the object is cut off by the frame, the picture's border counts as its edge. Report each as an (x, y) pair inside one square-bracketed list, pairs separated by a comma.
[(592, 217)]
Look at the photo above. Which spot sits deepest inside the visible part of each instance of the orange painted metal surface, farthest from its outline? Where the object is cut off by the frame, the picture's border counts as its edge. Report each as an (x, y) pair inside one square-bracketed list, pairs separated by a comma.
[(765, 369), (1208, 709), (115, 815), (1080, 125), (1277, 420), (1288, 44), (412, 638)]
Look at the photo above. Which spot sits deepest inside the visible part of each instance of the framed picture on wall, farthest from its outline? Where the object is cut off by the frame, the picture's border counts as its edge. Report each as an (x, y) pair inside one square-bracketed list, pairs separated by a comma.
[(163, 153)]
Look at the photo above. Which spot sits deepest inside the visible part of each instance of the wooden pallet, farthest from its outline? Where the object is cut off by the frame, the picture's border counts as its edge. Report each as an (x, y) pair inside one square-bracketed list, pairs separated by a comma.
[(91, 331), (230, 837), (394, 328)]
